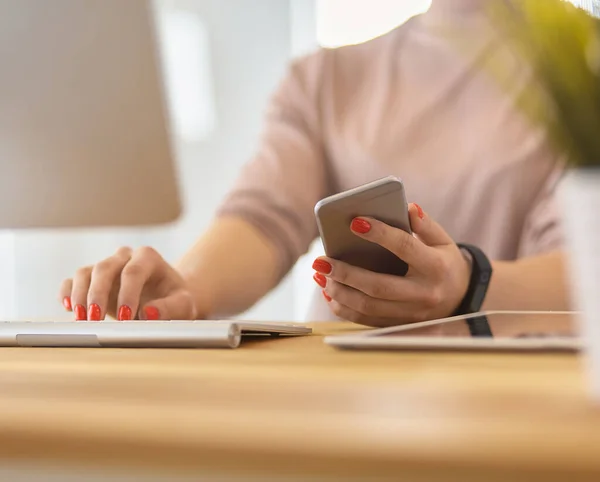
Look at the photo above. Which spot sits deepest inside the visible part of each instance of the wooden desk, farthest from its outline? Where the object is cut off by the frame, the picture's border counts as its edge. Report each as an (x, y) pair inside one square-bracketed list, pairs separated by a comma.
[(295, 409)]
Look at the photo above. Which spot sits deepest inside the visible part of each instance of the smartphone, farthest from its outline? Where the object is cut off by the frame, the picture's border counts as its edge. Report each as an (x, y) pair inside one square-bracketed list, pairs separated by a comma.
[(384, 200)]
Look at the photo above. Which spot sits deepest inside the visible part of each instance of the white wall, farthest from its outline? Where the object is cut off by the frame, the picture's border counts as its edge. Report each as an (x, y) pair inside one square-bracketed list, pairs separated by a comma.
[(345, 22)]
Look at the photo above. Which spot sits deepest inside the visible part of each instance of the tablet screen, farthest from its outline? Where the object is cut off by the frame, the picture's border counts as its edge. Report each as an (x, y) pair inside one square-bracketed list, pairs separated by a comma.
[(496, 325)]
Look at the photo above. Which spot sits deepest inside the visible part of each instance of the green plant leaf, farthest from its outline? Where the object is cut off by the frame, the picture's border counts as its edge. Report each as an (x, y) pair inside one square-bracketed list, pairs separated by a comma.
[(562, 44)]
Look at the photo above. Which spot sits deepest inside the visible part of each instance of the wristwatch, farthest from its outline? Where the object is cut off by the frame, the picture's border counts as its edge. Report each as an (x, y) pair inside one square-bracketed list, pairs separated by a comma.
[(481, 274)]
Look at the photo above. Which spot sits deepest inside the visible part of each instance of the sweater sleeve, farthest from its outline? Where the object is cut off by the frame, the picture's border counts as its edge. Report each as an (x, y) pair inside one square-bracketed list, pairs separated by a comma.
[(277, 190), (543, 230)]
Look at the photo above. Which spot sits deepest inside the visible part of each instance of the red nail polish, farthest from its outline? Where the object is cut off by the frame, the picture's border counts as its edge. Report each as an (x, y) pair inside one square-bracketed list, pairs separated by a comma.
[(80, 313), (124, 313), (151, 313), (322, 266), (360, 226), (320, 280), (420, 211), (327, 297), (67, 303), (94, 312)]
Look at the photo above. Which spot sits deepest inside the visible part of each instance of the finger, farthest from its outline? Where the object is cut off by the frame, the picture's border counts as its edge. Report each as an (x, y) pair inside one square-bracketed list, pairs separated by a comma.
[(348, 314), (64, 294), (105, 276), (79, 291), (137, 273), (402, 312), (427, 230), (177, 306), (404, 245), (376, 285)]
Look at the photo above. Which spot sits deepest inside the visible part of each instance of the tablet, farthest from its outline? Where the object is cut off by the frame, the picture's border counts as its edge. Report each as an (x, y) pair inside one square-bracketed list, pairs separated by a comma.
[(489, 330), (140, 334)]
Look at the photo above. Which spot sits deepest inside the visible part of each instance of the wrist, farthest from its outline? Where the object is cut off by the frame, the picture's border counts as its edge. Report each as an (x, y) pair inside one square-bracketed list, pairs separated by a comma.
[(202, 308)]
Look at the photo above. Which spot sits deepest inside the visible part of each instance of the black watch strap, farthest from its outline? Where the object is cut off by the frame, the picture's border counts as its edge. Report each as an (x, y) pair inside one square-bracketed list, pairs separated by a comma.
[(481, 274)]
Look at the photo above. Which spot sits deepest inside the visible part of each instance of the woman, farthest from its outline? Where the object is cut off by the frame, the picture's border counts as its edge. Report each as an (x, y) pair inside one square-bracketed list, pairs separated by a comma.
[(432, 102)]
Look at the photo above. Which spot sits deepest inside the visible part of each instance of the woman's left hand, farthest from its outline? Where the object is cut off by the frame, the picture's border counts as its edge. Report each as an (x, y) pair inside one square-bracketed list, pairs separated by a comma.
[(436, 282)]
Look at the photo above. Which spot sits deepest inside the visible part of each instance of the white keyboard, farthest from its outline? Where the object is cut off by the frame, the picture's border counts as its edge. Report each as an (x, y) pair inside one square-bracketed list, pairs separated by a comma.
[(139, 334)]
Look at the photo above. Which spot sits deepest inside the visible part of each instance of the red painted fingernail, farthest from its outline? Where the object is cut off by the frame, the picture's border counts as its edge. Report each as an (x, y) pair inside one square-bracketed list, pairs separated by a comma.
[(67, 303), (320, 279), (80, 314), (151, 313), (420, 211), (360, 226), (326, 296), (94, 312), (124, 313), (322, 266)]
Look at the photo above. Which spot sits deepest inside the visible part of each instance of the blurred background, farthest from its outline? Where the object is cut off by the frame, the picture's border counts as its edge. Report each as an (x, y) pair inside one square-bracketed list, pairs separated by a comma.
[(222, 59)]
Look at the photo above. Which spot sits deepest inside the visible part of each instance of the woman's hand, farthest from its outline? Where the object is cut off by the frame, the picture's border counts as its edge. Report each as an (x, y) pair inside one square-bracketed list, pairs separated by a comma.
[(436, 282), (130, 284)]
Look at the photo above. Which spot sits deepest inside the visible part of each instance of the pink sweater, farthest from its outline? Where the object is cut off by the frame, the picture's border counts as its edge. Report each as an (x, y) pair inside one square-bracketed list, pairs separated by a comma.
[(430, 103)]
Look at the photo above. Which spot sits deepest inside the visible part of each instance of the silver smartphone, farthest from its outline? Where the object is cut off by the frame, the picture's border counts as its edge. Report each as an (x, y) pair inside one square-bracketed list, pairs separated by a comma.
[(384, 200)]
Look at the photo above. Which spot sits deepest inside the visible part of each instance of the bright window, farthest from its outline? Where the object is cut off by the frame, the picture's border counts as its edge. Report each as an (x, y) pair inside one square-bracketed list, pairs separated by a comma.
[(343, 22), (187, 69), (592, 6)]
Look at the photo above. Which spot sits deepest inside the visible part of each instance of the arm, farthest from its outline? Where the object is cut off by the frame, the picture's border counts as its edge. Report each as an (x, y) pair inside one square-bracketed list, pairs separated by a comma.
[(266, 222), (263, 226), (437, 278), (261, 229), (538, 278), (229, 268), (530, 283)]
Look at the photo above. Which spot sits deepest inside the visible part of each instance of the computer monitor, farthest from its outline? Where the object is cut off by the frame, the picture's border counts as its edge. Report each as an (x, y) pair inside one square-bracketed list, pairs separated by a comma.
[(84, 137)]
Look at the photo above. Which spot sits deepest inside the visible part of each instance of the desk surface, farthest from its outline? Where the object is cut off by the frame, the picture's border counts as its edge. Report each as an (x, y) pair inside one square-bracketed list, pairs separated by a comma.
[(297, 406)]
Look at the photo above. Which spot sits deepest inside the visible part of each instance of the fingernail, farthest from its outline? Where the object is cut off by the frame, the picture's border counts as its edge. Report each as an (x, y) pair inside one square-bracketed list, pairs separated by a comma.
[(67, 303), (124, 313), (151, 313), (94, 312), (322, 266), (80, 313), (320, 279), (327, 297), (420, 211), (360, 226)]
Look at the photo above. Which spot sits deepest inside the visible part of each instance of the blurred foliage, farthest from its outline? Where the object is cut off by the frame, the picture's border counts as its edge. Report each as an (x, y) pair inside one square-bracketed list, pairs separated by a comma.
[(562, 44)]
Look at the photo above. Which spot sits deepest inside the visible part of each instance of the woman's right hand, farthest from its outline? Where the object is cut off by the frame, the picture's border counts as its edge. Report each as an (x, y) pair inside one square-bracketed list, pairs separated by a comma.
[(129, 285)]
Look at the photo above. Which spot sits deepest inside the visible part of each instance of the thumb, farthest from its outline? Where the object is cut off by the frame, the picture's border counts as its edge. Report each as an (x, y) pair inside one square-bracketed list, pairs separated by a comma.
[(426, 229), (177, 306)]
